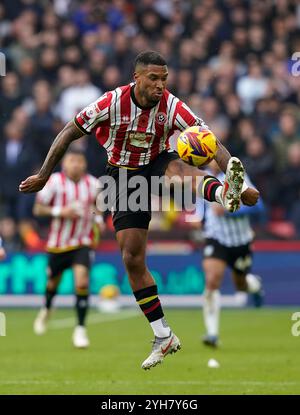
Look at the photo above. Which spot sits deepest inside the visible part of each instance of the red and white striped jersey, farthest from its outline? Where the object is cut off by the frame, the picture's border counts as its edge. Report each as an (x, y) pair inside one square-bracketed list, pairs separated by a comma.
[(134, 136), (66, 234)]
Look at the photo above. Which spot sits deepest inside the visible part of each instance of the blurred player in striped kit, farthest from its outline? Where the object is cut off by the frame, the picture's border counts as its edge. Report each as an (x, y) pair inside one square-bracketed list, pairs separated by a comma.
[(69, 199), (228, 238)]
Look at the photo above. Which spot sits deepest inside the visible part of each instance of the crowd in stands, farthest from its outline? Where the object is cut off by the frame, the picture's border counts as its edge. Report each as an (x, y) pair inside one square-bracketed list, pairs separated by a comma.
[(234, 62)]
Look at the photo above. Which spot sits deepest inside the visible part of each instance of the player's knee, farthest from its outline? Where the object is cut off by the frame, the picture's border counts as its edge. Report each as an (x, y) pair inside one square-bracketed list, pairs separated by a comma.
[(133, 260), (212, 283), (82, 288), (81, 283), (212, 287), (241, 284), (51, 284)]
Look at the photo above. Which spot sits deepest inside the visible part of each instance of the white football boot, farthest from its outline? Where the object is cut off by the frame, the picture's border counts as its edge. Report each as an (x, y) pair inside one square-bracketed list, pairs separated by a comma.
[(233, 183), (40, 324), (80, 338), (162, 346)]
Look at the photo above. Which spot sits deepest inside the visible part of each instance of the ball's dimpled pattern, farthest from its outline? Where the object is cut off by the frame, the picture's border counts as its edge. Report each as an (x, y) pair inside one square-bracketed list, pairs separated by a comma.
[(197, 146)]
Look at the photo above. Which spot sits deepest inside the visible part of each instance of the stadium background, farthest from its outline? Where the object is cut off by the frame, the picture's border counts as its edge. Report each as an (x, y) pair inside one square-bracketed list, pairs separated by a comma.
[(231, 61)]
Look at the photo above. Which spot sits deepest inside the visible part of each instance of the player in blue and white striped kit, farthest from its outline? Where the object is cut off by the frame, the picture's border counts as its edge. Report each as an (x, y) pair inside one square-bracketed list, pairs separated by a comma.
[(228, 238)]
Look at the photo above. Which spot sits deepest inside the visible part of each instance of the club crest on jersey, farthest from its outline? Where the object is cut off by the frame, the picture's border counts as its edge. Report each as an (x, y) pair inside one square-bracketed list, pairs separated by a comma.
[(161, 118)]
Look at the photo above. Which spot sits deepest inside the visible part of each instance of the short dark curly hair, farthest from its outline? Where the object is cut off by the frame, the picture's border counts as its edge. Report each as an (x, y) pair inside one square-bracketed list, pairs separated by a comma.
[(149, 57), (75, 151)]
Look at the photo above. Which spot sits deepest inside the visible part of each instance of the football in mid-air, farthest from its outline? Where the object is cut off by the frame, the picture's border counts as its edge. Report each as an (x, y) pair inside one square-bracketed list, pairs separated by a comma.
[(197, 146)]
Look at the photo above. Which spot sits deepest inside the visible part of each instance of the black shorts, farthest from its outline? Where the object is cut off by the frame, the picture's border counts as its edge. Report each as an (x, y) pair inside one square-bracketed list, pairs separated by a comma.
[(58, 262), (238, 258), (124, 216)]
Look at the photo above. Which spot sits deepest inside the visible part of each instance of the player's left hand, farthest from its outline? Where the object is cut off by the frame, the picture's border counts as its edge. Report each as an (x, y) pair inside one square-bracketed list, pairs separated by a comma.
[(32, 184), (250, 196)]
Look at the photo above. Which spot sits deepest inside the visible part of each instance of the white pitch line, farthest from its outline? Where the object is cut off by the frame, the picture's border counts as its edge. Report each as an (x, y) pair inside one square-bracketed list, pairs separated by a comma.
[(94, 319), (127, 382)]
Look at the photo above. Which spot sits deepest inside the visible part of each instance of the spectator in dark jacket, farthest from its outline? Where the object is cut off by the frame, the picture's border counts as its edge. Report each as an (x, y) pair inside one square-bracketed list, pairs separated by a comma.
[(17, 159), (259, 163)]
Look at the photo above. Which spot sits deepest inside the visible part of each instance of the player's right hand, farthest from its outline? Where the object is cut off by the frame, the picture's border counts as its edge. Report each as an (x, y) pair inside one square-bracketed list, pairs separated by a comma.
[(69, 212), (250, 196), (218, 209), (32, 184)]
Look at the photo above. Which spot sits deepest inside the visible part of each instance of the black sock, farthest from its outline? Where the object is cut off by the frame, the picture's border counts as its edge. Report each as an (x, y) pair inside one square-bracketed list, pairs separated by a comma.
[(82, 304), (147, 299), (209, 186), (49, 295)]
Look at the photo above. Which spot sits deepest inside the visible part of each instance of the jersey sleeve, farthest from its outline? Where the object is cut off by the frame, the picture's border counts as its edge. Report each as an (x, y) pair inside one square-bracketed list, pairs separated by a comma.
[(184, 117), (94, 114), (46, 195)]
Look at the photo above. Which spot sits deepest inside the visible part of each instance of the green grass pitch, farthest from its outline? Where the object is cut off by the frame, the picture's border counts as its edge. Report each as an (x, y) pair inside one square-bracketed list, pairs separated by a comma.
[(258, 355)]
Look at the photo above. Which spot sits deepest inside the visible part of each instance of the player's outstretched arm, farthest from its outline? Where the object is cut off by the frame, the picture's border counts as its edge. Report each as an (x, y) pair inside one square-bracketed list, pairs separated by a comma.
[(249, 196), (58, 148)]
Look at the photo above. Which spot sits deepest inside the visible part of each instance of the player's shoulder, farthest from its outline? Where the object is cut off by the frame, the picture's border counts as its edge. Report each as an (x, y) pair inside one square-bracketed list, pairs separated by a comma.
[(126, 88), (168, 95), (114, 93), (58, 175), (92, 179), (170, 98), (122, 89), (109, 97), (54, 182)]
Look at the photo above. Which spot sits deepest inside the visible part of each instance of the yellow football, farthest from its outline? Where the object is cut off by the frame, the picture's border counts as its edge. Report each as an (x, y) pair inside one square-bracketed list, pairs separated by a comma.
[(197, 146)]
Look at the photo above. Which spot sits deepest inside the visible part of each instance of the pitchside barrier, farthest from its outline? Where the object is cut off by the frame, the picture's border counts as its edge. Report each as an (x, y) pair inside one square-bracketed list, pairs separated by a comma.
[(175, 266)]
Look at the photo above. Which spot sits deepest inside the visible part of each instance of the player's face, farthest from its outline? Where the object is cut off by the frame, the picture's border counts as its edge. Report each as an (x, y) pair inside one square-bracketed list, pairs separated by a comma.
[(74, 166), (151, 81)]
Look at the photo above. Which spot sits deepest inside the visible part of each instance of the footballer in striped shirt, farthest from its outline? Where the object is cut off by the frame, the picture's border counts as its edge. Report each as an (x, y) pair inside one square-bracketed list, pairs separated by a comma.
[(134, 124), (228, 239), (69, 198)]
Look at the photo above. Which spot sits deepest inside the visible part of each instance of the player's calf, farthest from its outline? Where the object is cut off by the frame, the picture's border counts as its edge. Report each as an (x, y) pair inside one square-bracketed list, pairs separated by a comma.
[(82, 296)]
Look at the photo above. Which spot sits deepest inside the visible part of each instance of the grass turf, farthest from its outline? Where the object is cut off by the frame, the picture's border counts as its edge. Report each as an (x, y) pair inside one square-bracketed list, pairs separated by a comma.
[(258, 355)]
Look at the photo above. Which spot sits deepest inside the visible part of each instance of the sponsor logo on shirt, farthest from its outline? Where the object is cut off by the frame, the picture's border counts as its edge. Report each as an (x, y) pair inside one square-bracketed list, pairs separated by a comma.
[(140, 140)]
